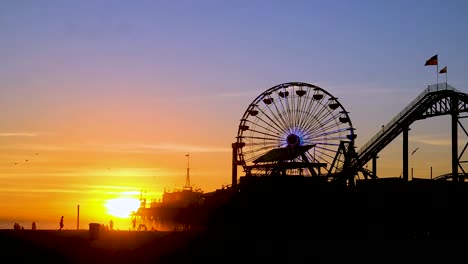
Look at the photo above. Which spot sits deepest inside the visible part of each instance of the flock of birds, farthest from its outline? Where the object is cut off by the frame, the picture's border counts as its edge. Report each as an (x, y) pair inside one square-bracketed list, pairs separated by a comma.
[(25, 161)]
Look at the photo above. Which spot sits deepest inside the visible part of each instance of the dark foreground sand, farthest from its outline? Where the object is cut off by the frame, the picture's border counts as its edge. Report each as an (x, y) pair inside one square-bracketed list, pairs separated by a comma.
[(72, 246), (76, 246)]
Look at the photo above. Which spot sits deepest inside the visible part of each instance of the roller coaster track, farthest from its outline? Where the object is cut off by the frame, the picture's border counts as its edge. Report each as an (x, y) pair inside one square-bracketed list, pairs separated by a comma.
[(449, 176), (435, 100)]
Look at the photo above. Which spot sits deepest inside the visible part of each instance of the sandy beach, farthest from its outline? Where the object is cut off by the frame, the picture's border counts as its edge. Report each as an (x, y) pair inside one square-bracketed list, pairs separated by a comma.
[(73, 246), (76, 246)]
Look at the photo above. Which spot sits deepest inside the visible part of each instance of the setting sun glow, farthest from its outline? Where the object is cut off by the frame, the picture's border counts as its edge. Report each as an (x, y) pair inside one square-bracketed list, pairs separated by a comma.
[(122, 207)]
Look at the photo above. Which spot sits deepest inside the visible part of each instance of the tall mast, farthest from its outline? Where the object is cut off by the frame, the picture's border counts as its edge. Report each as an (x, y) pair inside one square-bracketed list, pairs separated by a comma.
[(187, 179)]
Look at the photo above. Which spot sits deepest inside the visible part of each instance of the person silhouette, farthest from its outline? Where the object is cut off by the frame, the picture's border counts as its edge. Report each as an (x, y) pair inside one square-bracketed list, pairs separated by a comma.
[(61, 223), (33, 226)]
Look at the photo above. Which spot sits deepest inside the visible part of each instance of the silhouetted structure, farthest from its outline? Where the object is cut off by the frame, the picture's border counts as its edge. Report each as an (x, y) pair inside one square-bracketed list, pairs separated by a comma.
[(304, 179), (177, 211)]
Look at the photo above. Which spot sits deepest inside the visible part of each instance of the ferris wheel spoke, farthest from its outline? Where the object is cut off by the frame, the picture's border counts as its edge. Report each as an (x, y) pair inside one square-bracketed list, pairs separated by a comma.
[(327, 139), (325, 132), (323, 141), (323, 119), (252, 138), (270, 125), (285, 109), (315, 107), (315, 123), (304, 102), (255, 153), (276, 112), (326, 152), (272, 144), (296, 105), (335, 138), (304, 109), (283, 113), (328, 135), (326, 143), (325, 148), (325, 126), (311, 106), (320, 110), (257, 148), (265, 133), (263, 144), (311, 157), (274, 119), (266, 126), (320, 159)]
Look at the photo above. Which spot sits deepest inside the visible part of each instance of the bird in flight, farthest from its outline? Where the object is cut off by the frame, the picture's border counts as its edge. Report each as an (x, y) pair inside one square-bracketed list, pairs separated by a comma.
[(414, 151)]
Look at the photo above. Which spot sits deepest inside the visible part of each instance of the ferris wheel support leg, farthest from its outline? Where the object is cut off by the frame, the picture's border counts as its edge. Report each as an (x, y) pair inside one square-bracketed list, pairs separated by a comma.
[(234, 165)]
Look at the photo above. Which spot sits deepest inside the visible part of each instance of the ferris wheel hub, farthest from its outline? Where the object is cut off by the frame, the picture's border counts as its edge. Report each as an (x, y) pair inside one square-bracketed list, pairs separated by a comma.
[(293, 140)]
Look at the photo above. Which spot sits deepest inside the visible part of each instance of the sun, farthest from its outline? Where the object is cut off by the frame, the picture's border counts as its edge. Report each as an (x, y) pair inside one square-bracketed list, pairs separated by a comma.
[(122, 207)]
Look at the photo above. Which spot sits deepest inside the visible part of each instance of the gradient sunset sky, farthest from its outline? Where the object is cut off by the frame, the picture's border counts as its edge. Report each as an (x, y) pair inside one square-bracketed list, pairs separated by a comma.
[(102, 99)]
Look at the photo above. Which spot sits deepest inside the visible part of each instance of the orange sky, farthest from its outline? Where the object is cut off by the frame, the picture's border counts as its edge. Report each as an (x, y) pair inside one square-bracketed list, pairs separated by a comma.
[(45, 175)]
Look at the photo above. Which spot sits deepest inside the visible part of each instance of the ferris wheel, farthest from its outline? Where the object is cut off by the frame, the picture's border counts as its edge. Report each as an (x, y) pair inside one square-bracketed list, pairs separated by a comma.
[(293, 128)]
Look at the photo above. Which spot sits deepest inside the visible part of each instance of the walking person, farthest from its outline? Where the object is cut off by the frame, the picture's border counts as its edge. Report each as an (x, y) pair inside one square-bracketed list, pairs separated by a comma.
[(61, 223)]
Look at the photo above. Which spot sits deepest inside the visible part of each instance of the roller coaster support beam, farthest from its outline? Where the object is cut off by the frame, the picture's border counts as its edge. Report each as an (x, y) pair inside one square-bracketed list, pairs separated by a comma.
[(454, 113), (405, 153), (374, 165)]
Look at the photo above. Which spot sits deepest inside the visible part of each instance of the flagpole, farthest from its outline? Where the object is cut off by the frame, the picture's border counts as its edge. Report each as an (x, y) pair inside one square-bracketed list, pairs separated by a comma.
[(437, 70), (446, 72)]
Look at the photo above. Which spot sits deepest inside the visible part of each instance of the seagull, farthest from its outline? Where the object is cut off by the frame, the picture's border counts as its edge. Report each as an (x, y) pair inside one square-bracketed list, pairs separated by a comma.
[(414, 151)]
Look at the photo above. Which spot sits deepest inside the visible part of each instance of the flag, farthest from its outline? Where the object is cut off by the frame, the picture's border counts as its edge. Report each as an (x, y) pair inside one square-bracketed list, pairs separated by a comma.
[(444, 70), (432, 61)]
